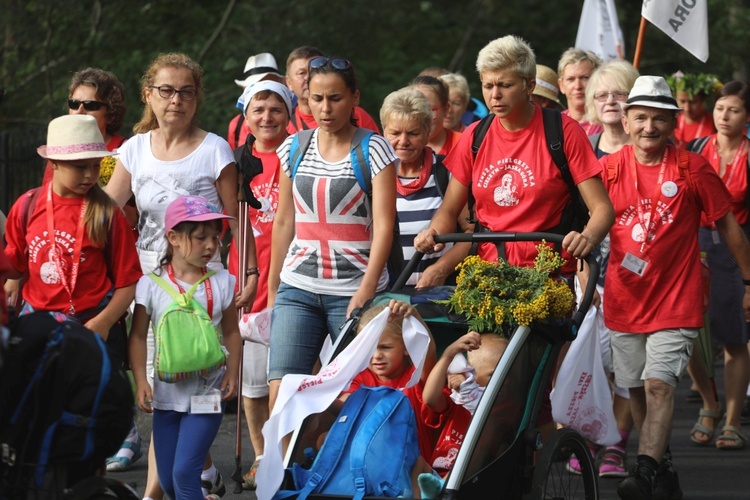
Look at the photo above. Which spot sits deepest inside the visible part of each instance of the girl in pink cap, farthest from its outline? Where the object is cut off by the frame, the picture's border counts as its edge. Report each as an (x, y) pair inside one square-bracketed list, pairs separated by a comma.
[(188, 407)]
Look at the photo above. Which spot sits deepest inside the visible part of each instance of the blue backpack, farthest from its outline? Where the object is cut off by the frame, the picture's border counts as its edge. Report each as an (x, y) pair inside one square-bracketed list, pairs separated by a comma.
[(369, 450), (360, 158)]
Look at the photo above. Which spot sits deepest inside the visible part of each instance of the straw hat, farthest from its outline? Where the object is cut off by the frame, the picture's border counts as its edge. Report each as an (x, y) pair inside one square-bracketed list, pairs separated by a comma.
[(73, 137), (546, 83), (258, 67), (652, 92)]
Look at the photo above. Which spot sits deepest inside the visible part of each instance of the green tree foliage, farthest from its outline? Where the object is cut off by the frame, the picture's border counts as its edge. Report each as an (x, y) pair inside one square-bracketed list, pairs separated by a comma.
[(388, 41)]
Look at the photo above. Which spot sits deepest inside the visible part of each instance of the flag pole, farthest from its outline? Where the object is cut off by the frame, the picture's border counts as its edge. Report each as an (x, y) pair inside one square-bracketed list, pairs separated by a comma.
[(639, 43)]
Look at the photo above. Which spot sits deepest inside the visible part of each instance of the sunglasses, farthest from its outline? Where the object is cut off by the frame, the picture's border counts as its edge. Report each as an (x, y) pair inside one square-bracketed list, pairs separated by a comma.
[(338, 63), (169, 92), (87, 105)]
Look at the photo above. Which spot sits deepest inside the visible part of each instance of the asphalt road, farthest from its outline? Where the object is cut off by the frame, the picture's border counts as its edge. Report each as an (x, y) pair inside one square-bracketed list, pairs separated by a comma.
[(705, 472)]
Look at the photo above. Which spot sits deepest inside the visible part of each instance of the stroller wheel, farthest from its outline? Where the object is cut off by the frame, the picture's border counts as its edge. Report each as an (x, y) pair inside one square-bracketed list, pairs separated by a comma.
[(551, 479)]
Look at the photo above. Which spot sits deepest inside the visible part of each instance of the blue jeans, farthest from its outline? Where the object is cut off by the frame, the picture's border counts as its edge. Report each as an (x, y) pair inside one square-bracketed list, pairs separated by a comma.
[(299, 325), (181, 442)]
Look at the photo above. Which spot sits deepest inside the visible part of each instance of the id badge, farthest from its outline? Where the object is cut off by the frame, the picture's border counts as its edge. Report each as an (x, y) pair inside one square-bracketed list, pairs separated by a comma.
[(715, 236), (209, 401), (634, 264)]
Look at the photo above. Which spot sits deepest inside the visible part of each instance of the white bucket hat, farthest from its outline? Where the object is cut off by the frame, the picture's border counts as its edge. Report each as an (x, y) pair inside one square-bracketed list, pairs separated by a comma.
[(73, 137), (651, 92), (259, 67)]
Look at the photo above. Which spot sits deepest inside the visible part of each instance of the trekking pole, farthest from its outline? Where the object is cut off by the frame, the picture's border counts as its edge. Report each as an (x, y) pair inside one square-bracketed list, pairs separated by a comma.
[(248, 166), (242, 278)]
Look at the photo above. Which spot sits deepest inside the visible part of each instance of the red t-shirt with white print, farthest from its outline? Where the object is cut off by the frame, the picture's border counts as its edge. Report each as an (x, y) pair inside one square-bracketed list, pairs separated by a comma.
[(100, 269), (670, 287), (515, 182)]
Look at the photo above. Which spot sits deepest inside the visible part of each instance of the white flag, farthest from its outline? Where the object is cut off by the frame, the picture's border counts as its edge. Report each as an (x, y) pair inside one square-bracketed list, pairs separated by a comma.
[(599, 31), (685, 21), (303, 395)]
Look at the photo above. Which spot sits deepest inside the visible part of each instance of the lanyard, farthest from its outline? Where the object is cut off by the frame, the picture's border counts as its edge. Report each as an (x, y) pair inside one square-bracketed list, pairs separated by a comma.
[(207, 282), (651, 223), (69, 286), (737, 156), (681, 126)]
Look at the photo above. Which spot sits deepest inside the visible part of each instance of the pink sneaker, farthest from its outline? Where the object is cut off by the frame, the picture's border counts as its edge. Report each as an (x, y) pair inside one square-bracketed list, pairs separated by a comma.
[(574, 466), (614, 463)]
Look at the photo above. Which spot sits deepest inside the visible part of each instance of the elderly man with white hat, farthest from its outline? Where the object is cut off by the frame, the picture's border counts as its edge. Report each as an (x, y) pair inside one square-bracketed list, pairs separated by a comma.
[(654, 284), (258, 68)]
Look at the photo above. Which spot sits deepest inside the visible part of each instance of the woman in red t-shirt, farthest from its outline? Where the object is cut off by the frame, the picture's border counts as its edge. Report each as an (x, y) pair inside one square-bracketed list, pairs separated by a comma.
[(442, 139), (727, 151)]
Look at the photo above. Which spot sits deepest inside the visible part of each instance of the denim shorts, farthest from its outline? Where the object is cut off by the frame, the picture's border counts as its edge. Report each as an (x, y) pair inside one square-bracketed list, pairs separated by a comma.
[(299, 325)]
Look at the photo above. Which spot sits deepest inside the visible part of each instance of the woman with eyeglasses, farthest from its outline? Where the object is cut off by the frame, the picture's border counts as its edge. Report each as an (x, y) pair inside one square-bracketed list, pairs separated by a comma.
[(331, 239), (441, 139), (608, 87), (170, 156)]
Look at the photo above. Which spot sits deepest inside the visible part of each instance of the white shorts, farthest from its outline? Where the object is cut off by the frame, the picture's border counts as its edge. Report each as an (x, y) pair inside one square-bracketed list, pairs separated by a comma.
[(664, 355), (254, 370)]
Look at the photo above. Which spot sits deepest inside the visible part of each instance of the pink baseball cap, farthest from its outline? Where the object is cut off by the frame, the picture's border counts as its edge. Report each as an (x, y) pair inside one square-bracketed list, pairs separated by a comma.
[(193, 209)]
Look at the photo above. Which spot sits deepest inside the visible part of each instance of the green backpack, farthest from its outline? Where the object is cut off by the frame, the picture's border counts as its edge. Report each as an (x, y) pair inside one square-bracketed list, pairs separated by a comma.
[(187, 342)]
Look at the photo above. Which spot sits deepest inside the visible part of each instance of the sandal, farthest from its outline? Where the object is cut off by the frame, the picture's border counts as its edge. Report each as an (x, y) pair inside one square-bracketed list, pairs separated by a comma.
[(249, 477), (123, 463), (716, 415), (735, 440)]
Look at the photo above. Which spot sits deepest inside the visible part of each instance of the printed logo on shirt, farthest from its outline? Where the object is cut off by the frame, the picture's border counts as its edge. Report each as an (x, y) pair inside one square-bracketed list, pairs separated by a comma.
[(630, 217), (39, 250), (268, 196), (511, 176)]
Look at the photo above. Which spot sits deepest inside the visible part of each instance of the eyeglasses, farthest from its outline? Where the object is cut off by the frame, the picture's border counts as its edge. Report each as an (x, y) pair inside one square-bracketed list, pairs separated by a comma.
[(618, 96), (338, 63), (169, 92), (87, 105)]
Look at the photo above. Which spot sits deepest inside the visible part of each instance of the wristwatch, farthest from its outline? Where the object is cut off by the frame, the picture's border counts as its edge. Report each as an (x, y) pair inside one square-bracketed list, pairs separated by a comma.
[(252, 270)]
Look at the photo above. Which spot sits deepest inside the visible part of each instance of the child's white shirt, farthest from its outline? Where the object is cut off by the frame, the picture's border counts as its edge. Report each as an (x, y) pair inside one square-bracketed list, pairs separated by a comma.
[(176, 396)]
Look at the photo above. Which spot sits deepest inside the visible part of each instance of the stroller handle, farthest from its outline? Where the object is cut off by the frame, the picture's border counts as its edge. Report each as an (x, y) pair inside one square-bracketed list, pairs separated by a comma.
[(588, 294)]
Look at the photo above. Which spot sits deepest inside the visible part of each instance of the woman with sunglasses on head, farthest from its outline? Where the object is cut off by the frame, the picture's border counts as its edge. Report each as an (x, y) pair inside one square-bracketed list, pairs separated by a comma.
[(330, 243), (171, 156)]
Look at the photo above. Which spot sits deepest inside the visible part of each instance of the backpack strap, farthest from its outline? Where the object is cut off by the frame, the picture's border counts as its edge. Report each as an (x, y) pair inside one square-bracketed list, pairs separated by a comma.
[(683, 159), (697, 145), (442, 176), (360, 158), (553, 132), (362, 439), (237, 129), (297, 149), (177, 296), (28, 204), (478, 136), (338, 436), (613, 167)]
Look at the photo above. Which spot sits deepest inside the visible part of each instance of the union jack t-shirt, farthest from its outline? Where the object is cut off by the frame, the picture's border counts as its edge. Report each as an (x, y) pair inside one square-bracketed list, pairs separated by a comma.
[(333, 220)]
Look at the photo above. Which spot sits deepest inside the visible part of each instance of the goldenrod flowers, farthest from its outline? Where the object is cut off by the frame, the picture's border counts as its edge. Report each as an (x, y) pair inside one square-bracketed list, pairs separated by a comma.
[(497, 297), (107, 166)]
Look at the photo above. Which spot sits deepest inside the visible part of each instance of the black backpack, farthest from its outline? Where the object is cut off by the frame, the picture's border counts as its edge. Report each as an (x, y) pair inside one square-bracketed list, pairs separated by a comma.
[(576, 215), (63, 405)]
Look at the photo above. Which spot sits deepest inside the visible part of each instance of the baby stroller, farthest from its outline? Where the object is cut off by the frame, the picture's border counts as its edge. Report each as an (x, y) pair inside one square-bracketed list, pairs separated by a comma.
[(502, 454)]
